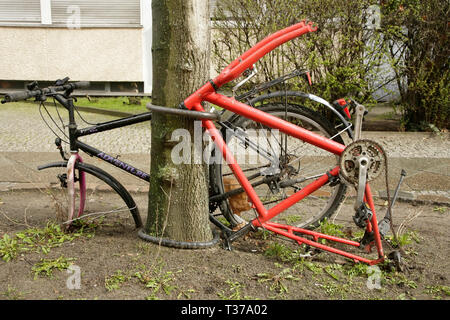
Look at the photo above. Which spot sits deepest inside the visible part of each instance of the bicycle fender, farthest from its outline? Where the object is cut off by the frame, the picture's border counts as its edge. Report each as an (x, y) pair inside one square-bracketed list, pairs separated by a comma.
[(60, 164), (281, 94)]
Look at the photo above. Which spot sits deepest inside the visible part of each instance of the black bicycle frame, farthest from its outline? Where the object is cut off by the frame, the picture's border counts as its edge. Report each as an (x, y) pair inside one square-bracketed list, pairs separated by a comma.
[(75, 133)]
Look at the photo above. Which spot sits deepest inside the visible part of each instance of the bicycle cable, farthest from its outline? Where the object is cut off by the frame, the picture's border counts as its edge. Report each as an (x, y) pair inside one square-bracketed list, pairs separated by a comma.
[(57, 111), (41, 104), (85, 121)]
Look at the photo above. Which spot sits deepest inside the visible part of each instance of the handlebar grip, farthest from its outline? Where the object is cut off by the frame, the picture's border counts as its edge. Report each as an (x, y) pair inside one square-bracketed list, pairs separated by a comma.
[(81, 85), (20, 95)]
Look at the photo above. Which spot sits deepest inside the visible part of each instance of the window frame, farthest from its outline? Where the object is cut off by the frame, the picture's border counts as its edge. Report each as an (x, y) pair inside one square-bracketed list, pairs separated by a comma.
[(46, 20)]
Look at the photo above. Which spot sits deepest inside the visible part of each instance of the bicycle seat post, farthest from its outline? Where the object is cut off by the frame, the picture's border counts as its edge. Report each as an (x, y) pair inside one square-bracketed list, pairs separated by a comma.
[(359, 115)]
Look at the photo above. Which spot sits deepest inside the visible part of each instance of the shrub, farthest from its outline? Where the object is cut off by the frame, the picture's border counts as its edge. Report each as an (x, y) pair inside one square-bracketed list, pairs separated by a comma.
[(343, 56), (423, 43), (347, 56)]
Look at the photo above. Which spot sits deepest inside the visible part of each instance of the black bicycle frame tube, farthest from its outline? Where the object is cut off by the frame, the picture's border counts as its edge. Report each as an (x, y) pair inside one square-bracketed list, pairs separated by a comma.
[(105, 126), (113, 160)]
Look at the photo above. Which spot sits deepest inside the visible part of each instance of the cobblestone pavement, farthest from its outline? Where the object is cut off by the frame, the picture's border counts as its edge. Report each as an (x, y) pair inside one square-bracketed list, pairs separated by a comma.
[(23, 130), (425, 156)]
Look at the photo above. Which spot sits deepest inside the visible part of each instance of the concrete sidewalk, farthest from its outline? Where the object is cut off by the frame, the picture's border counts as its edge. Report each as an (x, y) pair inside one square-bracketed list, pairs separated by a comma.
[(427, 180)]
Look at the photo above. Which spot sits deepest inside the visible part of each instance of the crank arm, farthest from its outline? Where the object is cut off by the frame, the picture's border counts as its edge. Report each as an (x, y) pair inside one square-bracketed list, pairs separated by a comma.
[(362, 180)]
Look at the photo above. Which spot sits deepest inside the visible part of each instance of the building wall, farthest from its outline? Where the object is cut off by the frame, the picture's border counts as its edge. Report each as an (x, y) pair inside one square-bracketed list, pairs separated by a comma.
[(94, 54)]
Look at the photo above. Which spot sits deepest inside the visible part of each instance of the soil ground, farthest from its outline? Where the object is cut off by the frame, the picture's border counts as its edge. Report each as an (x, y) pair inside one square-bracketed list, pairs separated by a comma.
[(115, 264)]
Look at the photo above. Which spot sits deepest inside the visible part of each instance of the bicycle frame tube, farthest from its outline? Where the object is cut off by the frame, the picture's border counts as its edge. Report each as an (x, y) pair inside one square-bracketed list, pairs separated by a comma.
[(105, 126), (284, 126), (113, 160)]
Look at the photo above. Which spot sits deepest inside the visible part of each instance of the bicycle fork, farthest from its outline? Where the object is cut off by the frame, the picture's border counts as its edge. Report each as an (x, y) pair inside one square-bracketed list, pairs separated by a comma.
[(71, 164), (74, 158)]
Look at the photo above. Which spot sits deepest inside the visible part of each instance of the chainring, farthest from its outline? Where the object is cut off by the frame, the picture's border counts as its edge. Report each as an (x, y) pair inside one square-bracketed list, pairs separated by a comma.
[(349, 160)]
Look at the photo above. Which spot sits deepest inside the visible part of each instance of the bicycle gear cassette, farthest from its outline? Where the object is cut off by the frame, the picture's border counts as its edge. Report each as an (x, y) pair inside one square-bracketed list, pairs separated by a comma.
[(350, 159)]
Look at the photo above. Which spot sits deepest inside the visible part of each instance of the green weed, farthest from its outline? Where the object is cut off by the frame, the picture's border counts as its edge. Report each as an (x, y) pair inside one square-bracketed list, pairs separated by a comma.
[(114, 281), (400, 280), (440, 210), (282, 253), (278, 281), (330, 228), (438, 291), (316, 269), (39, 239), (45, 267), (13, 294), (234, 291), (292, 219), (404, 239), (331, 270), (357, 269), (10, 247), (161, 281)]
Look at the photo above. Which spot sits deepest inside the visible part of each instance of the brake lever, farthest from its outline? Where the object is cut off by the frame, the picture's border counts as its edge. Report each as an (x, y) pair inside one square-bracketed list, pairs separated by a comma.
[(32, 86), (61, 82)]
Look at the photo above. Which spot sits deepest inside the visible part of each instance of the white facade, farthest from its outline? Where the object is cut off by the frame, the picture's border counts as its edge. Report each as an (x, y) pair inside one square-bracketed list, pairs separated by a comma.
[(105, 41)]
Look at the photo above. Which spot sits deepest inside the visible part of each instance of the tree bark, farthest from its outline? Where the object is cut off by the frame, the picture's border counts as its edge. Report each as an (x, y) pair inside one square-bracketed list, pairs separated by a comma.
[(178, 194)]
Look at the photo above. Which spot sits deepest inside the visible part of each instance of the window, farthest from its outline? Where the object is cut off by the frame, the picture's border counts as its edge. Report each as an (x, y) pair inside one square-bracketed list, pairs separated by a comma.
[(71, 13), (20, 12), (96, 13)]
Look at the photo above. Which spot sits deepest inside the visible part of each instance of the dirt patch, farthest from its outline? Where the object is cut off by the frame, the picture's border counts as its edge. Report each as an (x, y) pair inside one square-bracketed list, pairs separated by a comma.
[(113, 263)]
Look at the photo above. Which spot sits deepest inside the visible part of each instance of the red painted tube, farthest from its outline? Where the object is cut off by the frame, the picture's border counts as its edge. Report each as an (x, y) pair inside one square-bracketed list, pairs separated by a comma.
[(264, 42), (234, 166), (374, 222), (299, 195), (247, 59), (287, 234), (257, 52), (313, 233), (275, 123)]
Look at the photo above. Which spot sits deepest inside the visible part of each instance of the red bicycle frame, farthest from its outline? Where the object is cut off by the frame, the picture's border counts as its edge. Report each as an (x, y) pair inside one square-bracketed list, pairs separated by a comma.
[(208, 93)]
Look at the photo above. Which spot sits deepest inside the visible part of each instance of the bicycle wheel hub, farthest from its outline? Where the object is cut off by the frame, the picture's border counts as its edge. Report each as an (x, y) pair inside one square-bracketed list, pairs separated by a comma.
[(362, 150)]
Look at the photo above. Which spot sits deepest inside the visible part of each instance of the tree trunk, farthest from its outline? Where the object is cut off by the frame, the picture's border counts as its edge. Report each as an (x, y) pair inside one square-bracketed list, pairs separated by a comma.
[(178, 195)]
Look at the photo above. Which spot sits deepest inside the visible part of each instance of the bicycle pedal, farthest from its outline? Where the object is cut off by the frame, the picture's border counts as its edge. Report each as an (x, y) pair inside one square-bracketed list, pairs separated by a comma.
[(362, 215)]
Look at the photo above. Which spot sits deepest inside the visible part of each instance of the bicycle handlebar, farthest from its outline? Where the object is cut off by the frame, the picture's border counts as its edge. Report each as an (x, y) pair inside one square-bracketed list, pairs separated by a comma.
[(23, 95)]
